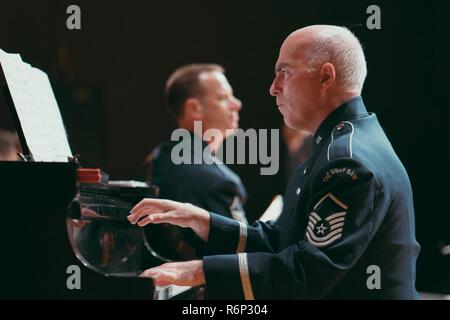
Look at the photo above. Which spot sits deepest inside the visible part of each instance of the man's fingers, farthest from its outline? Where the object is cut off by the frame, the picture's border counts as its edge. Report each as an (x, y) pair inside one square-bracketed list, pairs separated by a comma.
[(161, 204), (168, 217), (149, 273), (143, 203), (134, 217), (161, 282), (144, 221), (154, 218), (160, 276), (185, 273), (149, 206)]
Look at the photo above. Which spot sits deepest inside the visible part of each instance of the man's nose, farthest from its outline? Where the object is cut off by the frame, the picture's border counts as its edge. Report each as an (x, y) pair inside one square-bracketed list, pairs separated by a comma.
[(274, 88), (236, 104)]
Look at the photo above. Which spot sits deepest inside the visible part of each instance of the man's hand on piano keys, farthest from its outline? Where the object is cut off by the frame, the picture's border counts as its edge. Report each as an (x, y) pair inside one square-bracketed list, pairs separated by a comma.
[(184, 215), (186, 273)]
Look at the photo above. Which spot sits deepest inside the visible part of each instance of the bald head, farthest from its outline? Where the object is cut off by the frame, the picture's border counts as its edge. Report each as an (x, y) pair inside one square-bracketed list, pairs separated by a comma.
[(319, 44), (318, 69)]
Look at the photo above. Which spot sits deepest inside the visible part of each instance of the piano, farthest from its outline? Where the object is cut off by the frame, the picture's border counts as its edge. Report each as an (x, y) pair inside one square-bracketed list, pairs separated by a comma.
[(62, 239)]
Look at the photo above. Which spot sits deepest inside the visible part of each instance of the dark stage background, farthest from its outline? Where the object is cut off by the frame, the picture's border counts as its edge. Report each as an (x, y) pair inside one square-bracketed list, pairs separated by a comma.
[(109, 76)]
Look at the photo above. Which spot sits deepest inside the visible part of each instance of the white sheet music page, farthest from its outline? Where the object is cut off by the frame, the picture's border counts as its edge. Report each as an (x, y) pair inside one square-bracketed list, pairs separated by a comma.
[(37, 109)]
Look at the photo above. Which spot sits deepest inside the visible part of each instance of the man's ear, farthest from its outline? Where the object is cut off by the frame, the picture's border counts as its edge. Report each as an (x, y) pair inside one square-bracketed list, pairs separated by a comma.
[(193, 109), (327, 75)]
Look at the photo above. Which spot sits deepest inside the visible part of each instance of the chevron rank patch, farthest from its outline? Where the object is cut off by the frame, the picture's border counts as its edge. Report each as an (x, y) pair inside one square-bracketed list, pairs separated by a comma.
[(326, 221)]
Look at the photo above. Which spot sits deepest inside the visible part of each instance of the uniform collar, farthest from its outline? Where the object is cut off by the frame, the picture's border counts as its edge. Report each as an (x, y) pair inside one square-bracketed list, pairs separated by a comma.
[(199, 145), (195, 141), (347, 111)]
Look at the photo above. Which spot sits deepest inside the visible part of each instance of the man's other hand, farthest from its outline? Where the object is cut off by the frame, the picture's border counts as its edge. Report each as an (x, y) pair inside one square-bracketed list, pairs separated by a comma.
[(186, 273)]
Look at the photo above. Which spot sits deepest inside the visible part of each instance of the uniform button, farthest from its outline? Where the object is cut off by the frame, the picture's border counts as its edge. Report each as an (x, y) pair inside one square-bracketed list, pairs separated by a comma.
[(297, 192), (340, 126), (305, 170)]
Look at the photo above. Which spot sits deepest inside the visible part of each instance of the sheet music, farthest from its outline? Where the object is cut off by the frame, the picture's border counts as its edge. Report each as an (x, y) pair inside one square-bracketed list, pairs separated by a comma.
[(37, 109)]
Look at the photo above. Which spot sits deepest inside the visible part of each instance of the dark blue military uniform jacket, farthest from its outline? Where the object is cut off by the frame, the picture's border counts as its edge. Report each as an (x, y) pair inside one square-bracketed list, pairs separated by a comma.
[(346, 230), (214, 187)]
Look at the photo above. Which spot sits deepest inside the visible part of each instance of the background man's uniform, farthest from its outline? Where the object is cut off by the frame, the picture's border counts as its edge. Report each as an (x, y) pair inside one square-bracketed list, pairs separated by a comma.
[(211, 186), (348, 211)]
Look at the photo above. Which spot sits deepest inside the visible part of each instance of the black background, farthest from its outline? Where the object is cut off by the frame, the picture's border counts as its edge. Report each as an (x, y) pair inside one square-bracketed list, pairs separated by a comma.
[(109, 77)]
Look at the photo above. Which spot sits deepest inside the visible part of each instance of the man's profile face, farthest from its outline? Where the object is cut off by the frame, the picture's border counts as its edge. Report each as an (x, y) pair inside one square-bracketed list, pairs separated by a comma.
[(296, 86), (220, 107)]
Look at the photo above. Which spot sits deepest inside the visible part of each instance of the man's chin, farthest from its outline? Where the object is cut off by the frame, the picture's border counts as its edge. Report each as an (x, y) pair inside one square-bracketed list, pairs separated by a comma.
[(232, 130), (234, 125), (288, 123)]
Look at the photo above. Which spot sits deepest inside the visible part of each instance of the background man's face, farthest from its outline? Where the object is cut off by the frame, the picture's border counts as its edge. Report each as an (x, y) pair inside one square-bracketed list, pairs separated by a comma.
[(296, 88), (220, 107), (9, 156)]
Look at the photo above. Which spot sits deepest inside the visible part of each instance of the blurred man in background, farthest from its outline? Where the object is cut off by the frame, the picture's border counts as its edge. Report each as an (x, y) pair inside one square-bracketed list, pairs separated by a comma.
[(200, 93), (9, 146)]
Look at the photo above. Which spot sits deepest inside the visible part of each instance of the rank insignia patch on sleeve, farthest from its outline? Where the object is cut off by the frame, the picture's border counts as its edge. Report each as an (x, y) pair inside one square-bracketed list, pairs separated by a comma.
[(326, 221)]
